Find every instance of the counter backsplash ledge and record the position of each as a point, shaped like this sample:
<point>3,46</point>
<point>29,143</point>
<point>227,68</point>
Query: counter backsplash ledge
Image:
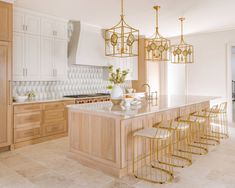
<point>81,80</point>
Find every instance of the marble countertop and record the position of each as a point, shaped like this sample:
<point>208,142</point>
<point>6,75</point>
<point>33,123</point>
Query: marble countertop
<point>163,103</point>
<point>64,99</point>
<point>43,100</point>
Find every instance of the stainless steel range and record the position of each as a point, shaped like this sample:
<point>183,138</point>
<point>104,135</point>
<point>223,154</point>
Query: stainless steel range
<point>90,98</point>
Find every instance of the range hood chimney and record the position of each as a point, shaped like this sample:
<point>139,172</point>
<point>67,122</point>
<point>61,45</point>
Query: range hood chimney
<point>86,45</point>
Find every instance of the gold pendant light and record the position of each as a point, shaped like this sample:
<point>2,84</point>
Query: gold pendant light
<point>157,48</point>
<point>122,39</point>
<point>182,53</point>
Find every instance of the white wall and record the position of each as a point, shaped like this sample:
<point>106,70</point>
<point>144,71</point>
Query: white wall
<point>208,75</point>
<point>153,76</point>
<point>176,79</point>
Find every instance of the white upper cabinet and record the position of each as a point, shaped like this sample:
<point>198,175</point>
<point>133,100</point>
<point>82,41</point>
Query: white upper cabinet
<point>32,24</point>
<point>61,30</point>
<point>60,56</point>
<point>53,56</point>
<point>47,44</point>
<point>32,57</point>
<point>54,28</point>
<point>47,27</point>
<point>39,47</point>
<point>18,18</point>
<point>18,56</point>
<point>54,49</point>
<point>26,57</point>
<point>25,22</point>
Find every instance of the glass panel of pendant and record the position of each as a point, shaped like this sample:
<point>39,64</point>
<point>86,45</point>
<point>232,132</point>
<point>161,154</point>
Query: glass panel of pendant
<point>157,49</point>
<point>121,42</point>
<point>182,53</point>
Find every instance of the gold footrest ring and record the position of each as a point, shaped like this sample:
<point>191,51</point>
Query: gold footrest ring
<point>176,165</point>
<point>170,178</point>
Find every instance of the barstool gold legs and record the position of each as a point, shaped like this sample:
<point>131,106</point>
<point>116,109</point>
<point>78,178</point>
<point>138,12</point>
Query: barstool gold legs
<point>197,147</point>
<point>180,141</point>
<point>219,122</point>
<point>171,144</point>
<point>150,146</point>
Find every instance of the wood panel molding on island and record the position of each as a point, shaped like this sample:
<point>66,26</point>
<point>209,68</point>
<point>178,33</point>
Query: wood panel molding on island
<point>104,142</point>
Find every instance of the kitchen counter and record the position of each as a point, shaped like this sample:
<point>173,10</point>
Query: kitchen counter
<point>43,101</point>
<point>66,99</point>
<point>100,134</point>
<point>163,103</point>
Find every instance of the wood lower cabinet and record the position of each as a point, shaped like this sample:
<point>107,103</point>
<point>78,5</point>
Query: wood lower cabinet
<point>27,133</point>
<point>27,122</point>
<point>54,128</point>
<point>54,121</point>
<point>39,122</point>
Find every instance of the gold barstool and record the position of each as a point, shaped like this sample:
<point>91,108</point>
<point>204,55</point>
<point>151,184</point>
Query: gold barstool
<point>151,147</point>
<point>219,121</point>
<point>197,129</point>
<point>209,136</point>
<point>180,142</point>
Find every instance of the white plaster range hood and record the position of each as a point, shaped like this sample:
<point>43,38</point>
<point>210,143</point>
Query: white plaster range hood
<point>86,45</point>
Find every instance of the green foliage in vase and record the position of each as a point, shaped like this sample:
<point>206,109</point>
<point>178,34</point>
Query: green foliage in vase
<point>117,76</point>
<point>31,94</point>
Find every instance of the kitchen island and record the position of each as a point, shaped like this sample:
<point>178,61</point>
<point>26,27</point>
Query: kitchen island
<point>100,134</point>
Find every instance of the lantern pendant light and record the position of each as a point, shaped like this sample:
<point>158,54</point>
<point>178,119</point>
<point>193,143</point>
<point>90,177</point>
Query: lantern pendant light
<point>121,40</point>
<point>182,53</point>
<point>157,48</point>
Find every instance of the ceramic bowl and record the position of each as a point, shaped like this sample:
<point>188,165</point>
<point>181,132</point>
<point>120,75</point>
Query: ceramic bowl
<point>20,98</point>
<point>128,101</point>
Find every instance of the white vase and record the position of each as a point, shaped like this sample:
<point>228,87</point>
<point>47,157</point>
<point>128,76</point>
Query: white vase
<point>117,92</point>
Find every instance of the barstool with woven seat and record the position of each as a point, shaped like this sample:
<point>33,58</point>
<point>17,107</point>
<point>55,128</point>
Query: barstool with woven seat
<point>180,142</point>
<point>152,150</point>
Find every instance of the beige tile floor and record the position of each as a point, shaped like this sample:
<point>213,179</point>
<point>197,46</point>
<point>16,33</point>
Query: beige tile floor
<point>46,165</point>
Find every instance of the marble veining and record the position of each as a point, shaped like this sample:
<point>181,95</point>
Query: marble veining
<point>164,102</point>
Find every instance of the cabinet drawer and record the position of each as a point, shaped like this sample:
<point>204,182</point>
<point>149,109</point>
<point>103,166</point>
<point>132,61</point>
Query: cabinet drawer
<point>53,106</point>
<point>27,134</point>
<point>27,119</point>
<point>52,116</point>
<point>27,108</point>
<point>54,128</point>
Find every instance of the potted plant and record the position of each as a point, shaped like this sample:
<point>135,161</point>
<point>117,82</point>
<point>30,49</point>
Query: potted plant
<point>116,77</point>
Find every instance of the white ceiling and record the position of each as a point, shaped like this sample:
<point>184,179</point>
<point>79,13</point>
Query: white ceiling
<point>201,15</point>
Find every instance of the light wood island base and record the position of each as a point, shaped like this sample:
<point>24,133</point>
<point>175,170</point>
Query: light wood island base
<point>102,139</point>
